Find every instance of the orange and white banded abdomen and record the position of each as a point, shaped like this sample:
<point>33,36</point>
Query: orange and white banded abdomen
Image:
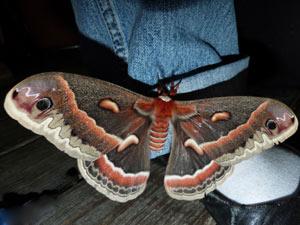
<point>158,133</point>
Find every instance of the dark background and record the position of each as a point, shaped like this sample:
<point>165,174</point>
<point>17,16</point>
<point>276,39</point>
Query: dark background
<point>41,35</point>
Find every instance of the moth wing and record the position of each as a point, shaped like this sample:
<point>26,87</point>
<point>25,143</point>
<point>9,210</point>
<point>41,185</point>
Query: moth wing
<point>221,132</point>
<point>86,117</point>
<point>190,176</point>
<point>113,110</point>
<point>120,175</point>
<point>92,120</point>
<point>122,169</point>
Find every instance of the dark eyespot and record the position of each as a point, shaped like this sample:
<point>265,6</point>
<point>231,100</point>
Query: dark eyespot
<point>293,119</point>
<point>271,125</point>
<point>15,94</point>
<point>84,141</point>
<point>44,104</point>
<point>73,133</point>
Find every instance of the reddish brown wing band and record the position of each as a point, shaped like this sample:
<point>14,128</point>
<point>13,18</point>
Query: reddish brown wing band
<point>224,132</point>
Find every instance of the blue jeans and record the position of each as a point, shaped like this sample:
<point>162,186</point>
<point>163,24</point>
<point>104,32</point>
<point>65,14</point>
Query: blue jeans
<point>159,39</point>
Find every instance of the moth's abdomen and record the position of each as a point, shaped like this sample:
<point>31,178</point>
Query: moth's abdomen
<point>158,133</point>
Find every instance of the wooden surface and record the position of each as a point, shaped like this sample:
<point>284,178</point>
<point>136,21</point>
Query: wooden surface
<point>29,165</point>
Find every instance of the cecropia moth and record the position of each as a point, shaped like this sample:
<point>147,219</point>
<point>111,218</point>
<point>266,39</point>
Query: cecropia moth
<point>111,131</point>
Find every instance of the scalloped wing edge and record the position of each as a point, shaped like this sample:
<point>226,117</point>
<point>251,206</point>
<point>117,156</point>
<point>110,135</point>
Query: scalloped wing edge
<point>109,188</point>
<point>212,175</point>
<point>255,145</point>
<point>52,135</point>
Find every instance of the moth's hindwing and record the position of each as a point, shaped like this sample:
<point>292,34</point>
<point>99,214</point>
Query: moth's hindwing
<point>120,175</point>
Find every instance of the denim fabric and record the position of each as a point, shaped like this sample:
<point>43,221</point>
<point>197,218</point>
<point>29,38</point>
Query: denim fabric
<point>159,39</point>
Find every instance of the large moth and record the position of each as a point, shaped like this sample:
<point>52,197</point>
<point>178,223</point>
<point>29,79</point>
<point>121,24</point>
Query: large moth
<point>111,131</point>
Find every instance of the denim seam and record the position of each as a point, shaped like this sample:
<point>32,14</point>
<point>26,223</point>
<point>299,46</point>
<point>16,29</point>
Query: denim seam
<point>114,28</point>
